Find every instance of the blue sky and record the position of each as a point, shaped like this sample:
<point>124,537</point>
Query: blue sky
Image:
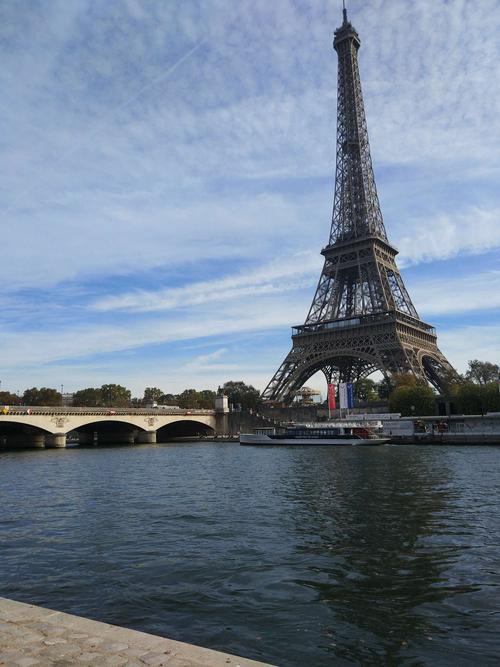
<point>168,180</point>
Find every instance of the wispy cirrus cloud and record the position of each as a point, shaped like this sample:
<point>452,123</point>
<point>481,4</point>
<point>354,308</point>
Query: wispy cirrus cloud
<point>168,169</point>
<point>449,295</point>
<point>474,231</point>
<point>288,274</point>
<point>44,347</point>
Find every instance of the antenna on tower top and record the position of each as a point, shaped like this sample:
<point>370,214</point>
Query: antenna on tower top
<point>344,11</point>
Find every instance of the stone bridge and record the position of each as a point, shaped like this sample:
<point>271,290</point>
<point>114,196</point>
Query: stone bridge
<point>23,426</point>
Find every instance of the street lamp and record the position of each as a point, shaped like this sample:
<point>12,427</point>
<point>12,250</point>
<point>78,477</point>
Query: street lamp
<point>62,390</point>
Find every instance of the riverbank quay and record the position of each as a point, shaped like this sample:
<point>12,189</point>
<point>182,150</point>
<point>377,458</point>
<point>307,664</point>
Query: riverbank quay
<point>446,430</point>
<point>32,635</point>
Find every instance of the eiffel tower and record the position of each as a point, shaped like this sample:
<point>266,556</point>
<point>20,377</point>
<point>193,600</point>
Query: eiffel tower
<point>362,318</point>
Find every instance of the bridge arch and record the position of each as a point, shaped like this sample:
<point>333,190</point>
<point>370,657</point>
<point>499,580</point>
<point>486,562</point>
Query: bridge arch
<point>183,428</point>
<point>111,425</point>
<point>41,424</point>
<point>105,431</point>
<point>18,433</point>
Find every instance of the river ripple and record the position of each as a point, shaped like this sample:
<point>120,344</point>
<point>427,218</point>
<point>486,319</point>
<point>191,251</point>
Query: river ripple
<point>296,556</point>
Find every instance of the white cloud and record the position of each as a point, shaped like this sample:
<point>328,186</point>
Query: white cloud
<point>211,365</point>
<point>458,294</point>
<point>115,165</point>
<point>45,347</point>
<point>475,231</point>
<point>93,182</point>
<point>279,276</point>
<point>135,237</point>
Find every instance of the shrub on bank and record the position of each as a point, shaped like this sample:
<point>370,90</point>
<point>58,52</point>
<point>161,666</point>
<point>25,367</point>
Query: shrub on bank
<point>413,400</point>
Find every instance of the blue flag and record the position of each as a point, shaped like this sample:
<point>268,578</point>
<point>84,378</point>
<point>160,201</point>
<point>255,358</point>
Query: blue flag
<point>350,395</point>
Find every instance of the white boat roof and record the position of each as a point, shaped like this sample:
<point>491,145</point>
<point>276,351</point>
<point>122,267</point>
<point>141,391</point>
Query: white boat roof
<point>335,424</point>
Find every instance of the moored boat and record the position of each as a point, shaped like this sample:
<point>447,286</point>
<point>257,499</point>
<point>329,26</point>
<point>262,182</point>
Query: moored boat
<point>328,433</point>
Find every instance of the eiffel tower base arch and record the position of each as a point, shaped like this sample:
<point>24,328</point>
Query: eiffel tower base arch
<point>350,351</point>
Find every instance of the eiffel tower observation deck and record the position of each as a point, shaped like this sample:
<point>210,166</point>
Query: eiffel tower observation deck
<point>362,318</point>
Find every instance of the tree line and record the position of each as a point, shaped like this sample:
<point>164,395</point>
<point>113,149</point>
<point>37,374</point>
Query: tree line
<point>475,392</point>
<point>117,396</point>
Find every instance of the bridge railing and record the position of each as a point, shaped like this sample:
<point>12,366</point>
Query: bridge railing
<point>53,410</point>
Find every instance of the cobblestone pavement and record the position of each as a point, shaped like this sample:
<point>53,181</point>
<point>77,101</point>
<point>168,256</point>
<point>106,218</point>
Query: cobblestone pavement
<point>32,635</point>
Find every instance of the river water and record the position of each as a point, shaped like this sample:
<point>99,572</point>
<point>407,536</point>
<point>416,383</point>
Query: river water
<point>295,556</point>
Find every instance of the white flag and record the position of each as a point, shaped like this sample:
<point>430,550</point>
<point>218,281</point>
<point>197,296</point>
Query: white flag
<point>343,398</point>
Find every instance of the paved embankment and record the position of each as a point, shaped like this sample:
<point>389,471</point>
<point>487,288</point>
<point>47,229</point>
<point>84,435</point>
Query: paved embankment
<point>31,635</point>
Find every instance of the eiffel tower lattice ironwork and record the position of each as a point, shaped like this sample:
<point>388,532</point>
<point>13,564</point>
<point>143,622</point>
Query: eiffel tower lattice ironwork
<point>362,318</point>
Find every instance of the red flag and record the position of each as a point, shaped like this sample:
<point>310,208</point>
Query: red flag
<point>331,397</point>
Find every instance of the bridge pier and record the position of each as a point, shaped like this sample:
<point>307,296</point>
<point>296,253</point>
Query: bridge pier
<point>222,424</point>
<point>147,437</point>
<point>221,415</point>
<point>56,441</point>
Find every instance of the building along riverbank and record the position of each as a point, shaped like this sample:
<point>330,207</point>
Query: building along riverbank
<point>453,430</point>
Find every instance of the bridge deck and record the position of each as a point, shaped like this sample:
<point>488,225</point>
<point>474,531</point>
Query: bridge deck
<point>50,410</point>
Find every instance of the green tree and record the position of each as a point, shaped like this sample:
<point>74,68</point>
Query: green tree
<point>389,383</point>
<point>116,396</point>
<point>406,380</point>
<point>365,390</point>
<point>491,397</point>
<point>42,396</point>
<point>6,398</point>
<point>240,393</point>
<point>90,397</point>
<point>482,372</point>
<point>413,400</point>
<point>385,387</point>
<point>152,395</point>
<point>169,399</point>
<point>189,399</point>
<point>477,399</point>
<point>206,399</point>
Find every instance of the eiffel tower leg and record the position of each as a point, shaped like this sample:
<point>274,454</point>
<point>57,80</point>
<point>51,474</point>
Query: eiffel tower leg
<point>438,370</point>
<point>429,366</point>
<point>279,388</point>
<point>405,360</point>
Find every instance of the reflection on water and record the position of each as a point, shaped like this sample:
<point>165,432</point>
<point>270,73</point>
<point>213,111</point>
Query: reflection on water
<point>296,556</point>
<point>380,529</point>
